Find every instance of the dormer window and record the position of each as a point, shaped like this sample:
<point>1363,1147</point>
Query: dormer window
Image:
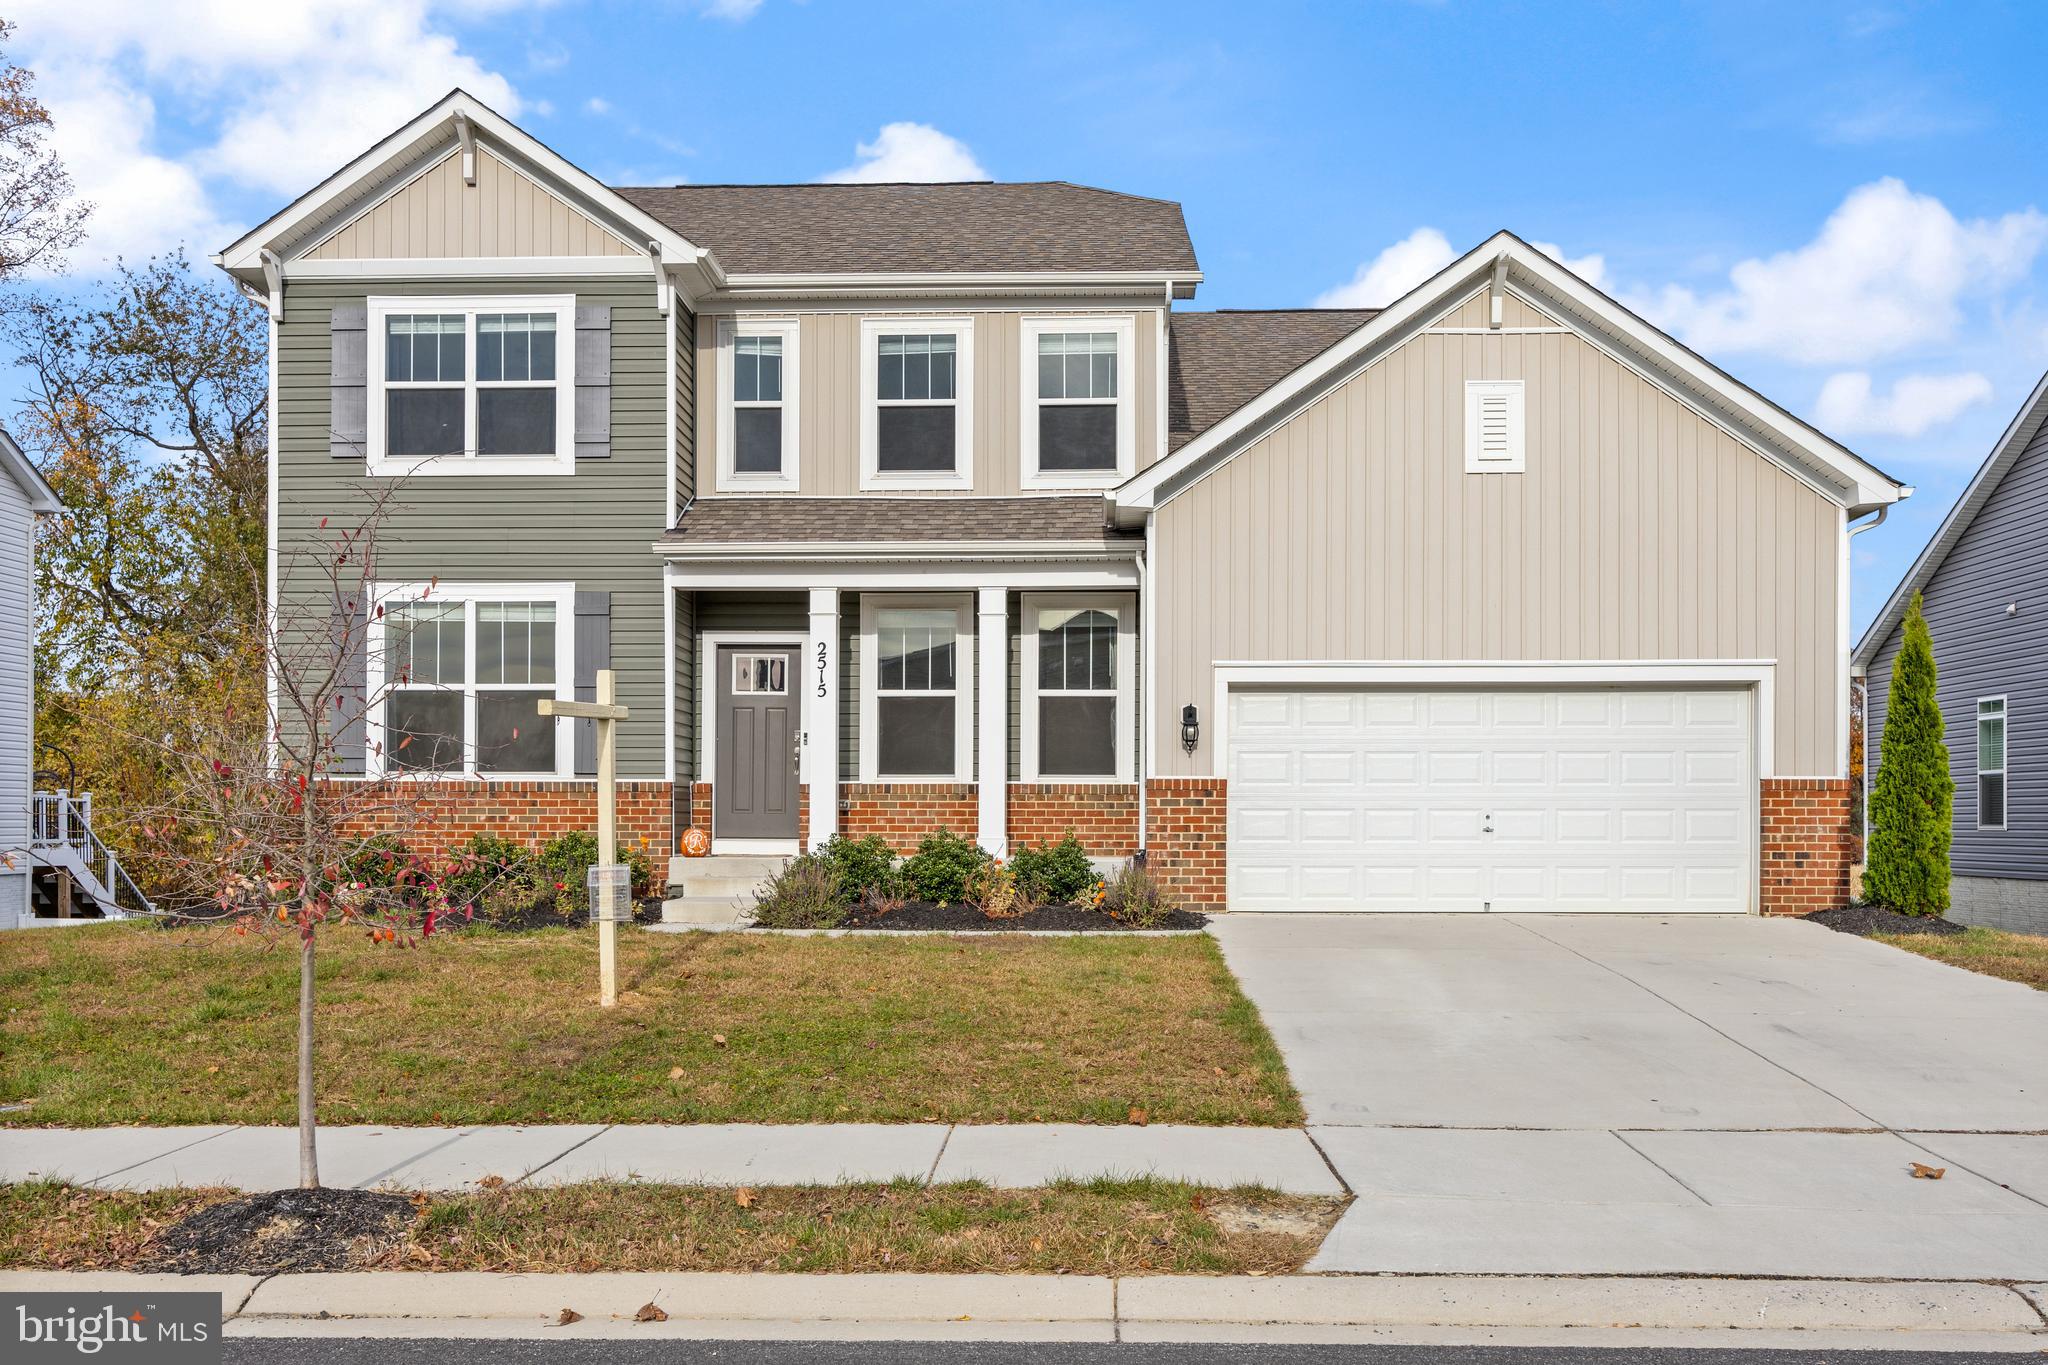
<point>1079,419</point>
<point>757,429</point>
<point>917,420</point>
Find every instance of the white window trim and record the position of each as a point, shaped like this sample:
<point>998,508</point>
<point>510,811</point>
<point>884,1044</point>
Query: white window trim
<point>563,306</point>
<point>730,330</point>
<point>387,595</point>
<point>961,476</point>
<point>1518,426</point>
<point>1124,606</point>
<point>2004,771</point>
<point>962,606</point>
<point>1031,329</point>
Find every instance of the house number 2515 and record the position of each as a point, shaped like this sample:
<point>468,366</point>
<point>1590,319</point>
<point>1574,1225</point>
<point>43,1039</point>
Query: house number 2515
<point>821,669</point>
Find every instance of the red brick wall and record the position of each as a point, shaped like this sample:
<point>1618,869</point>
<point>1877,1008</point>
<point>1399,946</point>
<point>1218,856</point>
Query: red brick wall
<point>697,814</point>
<point>904,812</point>
<point>1103,818</point>
<point>443,815</point>
<point>1185,821</point>
<point>1806,844</point>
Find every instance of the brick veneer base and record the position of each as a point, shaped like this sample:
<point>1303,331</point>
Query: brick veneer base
<point>904,812</point>
<point>1186,820</point>
<point>444,815</point>
<point>1103,817</point>
<point>1805,844</point>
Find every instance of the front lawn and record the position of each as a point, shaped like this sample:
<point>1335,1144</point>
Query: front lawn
<point>126,1024</point>
<point>1994,952</point>
<point>1103,1227</point>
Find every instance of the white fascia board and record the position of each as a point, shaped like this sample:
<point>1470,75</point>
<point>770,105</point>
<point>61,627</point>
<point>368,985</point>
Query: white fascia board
<point>677,252</point>
<point>2018,435</point>
<point>890,552</point>
<point>42,498</point>
<point>469,268</point>
<point>1846,478</point>
<point>902,575</point>
<point>882,284</point>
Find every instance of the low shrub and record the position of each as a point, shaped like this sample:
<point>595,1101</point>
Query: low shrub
<point>805,894</point>
<point>938,871</point>
<point>1133,895</point>
<point>483,865</point>
<point>382,861</point>
<point>866,866</point>
<point>568,858</point>
<point>993,887</point>
<point>1054,874</point>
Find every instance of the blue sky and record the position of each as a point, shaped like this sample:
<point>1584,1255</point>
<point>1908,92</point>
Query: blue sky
<point>1840,203</point>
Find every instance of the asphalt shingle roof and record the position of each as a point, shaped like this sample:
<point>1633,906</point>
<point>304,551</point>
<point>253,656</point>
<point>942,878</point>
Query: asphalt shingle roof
<point>941,228</point>
<point>874,520</point>
<point>1223,360</point>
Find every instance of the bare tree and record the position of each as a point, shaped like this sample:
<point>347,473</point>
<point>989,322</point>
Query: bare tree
<point>39,218</point>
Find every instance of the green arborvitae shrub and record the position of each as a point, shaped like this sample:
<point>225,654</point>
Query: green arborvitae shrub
<point>866,866</point>
<point>939,870</point>
<point>1053,874</point>
<point>1911,800</point>
<point>805,894</point>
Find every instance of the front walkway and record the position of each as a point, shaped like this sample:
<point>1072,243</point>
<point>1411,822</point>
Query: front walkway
<point>1646,1095</point>
<point>1009,1156</point>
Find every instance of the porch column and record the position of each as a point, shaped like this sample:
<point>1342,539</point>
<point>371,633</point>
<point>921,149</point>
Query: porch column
<point>820,680</point>
<point>992,676</point>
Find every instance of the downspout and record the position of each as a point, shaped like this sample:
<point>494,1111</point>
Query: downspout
<point>1145,712</point>
<point>1855,531</point>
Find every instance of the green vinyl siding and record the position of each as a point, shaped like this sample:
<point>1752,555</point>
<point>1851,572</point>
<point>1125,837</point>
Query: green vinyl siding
<point>594,528</point>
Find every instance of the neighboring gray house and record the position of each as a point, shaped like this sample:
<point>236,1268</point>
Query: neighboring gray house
<point>23,497</point>
<point>1984,581</point>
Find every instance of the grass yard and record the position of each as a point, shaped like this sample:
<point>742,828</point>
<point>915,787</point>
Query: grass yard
<point>1094,1228</point>
<point>128,1024</point>
<point>1994,952</point>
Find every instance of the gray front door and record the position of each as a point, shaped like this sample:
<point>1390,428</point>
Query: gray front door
<point>754,789</point>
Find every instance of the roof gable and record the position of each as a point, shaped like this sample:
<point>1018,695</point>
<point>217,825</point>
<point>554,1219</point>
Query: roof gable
<point>1504,264</point>
<point>2020,434</point>
<point>1218,362</point>
<point>34,487</point>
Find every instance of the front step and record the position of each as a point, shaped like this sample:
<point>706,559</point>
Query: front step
<point>706,911</point>
<point>722,876</point>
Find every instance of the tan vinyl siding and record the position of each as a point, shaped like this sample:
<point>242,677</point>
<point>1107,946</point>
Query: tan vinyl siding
<point>1640,531</point>
<point>593,528</point>
<point>829,404</point>
<point>435,216</point>
<point>1515,311</point>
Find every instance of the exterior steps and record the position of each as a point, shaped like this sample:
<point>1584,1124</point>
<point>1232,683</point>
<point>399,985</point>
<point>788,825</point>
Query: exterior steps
<point>721,880</point>
<point>702,910</point>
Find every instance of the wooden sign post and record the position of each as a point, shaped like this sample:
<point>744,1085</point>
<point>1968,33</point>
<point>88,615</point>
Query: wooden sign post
<point>607,713</point>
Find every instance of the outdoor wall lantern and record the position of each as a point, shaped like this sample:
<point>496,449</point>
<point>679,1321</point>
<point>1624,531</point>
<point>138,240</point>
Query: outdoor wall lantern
<point>1190,727</point>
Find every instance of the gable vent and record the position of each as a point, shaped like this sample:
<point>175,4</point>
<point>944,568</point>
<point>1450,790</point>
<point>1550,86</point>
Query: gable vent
<point>1493,426</point>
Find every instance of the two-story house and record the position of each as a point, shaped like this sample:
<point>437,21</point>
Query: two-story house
<point>900,506</point>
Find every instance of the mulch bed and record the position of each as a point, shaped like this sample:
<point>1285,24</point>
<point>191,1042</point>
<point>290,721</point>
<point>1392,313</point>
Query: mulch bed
<point>1865,920</point>
<point>285,1230</point>
<point>542,915</point>
<point>924,915</point>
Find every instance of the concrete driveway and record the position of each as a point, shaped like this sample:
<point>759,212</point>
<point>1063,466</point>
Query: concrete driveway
<point>1643,1094</point>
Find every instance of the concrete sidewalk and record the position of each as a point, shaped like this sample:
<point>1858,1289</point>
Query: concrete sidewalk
<point>1811,1315</point>
<point>1012,1156</point>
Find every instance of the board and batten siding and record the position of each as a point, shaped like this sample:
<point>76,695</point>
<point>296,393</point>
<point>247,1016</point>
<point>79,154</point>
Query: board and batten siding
<point>435,216</point>
<point>17,695</point>
<point>594,528</point>
<point>1982,651</point>
<point>829,404</point>
<point>1639,531</point>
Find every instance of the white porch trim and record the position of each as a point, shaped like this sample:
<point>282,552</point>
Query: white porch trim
<point>819,672</point>
<point>993,698</point>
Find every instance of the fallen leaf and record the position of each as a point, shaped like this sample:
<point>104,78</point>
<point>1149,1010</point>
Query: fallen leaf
<point>212,1070</point>
<point>1139,1116</point>
<point>1038,1244</point>
<point>718,1038</point>
<point>744,1197</point>
<point>568,1316</point>
<point>1199,1203</point>
<point>675,1073</point>
<point>650,1312</point>
<point>1921,1172</point>
<point>491,1182</point>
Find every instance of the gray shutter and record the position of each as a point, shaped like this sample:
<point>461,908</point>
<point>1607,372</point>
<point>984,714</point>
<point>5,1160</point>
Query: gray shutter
<point>593,381</point>
<point>349,637</point>
<point>348,378</point>
<point>593,651</point>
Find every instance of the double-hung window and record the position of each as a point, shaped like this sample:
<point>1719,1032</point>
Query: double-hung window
<point>1079,414</point>
<point>917,718</point>
<point>1991,763</point>
<point>478,385</point>
<point>757,442</point>
<point>1077,709</point>
<point>459,673</point>
<point>917,407</point>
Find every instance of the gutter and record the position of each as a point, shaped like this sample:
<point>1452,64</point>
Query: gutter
<point>892,551</point>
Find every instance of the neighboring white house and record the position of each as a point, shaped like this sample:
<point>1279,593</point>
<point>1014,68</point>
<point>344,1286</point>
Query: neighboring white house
<point>24,495</point>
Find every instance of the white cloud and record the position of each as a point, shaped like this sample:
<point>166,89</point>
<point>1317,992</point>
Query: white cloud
<point>1889,271</point>
<point>270,102</point>
<point>1592,267</point>
<point>1849,406</point>
<point>909,151</point>
<point>736,11</point>
<point>1393,272</point>
<point>597,104</point>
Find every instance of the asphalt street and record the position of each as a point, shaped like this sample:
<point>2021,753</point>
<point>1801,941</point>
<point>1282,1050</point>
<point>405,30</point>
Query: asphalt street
<point>437,1352</point>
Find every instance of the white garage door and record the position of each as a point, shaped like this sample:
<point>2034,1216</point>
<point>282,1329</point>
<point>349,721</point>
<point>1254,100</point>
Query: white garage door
<point>1624,800</point>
